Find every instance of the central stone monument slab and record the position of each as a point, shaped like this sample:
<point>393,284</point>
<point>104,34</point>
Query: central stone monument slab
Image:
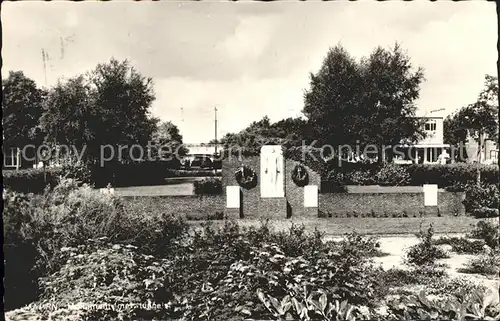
<point>272,182</point>
<point>272,167</point>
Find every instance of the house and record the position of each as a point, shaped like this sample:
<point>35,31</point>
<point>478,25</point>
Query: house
<point>430,149</point>
<point>13,158</point>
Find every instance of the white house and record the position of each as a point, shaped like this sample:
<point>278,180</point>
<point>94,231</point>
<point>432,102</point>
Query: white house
<point>430,149</point>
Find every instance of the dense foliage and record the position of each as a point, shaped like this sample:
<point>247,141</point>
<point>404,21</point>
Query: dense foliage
<point>21,110</point>
<point>91,253</point>
<point>30,180</point>
<point>371,100</point>
<point>455,176</point>
<point>478,120</point>
<point>208,186</point>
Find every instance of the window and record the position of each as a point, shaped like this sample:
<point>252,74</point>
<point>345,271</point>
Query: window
<point>494,154</point>
<point>10,158</point>
<point>430,126</point>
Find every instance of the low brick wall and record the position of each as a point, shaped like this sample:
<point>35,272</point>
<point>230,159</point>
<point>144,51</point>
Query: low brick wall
<point>190,206</point>
<point>334,205</point>
<point>389,204</point>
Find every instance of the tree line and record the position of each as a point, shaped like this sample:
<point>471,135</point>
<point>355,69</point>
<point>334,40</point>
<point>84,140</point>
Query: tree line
<point>370,101</point>
<point>109,105</point>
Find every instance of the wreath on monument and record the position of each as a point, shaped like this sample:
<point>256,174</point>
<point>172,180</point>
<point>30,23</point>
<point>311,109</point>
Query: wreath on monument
<point>246,177</point>
<point>300,176</point>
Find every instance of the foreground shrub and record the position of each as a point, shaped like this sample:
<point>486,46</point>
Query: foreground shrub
<point>228,264</point>
<point>68,216</point>
<point>426,252</point>
<point>462,245</point>
<point>485,264</point>
<point>208,186</point>
<point>30,180</point>
<point>391,174</point>
<point>487,231</point>
<point>479,197</point>
<point>20,252</point>
<point>101,273</point>
<point>311,306</point>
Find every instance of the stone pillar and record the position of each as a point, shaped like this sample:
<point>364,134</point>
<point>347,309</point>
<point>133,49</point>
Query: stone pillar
<point>233,202</point>
<point>431,199</point>
<point>311,202</point>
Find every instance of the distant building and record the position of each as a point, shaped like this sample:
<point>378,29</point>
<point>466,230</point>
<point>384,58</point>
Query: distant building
<point>489,153</point>
<point>429,150</point>
<point>202,156</point>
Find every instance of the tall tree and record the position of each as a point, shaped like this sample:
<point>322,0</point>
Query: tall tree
<point>107,106</point>
<point>332,99</point>
<point>366,102</point>
<point>21,110</point>
<point>478,120</point>
<point>167,139</point>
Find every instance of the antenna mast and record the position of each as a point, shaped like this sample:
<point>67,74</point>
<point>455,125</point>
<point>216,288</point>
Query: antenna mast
<point>215,111</point>
<point>44,56</point>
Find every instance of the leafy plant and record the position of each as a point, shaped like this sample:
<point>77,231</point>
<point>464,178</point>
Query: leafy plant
<point>426,252</point>
<point>305,307</point>
<point>475,306</point>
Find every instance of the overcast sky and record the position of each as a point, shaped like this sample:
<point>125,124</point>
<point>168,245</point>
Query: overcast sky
<point>250,59</point>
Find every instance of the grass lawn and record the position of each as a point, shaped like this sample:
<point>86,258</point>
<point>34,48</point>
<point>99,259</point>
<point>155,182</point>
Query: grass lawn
<point>373,226</point>
<point>172,187</point>
<point>385,189</point>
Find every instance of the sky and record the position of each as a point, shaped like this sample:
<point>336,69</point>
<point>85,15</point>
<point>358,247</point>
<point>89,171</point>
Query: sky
<point>250,59</point>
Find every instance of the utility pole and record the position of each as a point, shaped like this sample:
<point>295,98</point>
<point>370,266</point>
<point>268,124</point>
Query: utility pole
<point>215,111</point>
<point>44,58</point>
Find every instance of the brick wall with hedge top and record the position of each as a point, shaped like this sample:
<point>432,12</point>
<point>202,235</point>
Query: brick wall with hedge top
<point>389,205</point>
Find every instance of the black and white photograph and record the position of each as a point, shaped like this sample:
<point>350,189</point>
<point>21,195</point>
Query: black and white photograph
<point>250,160</point>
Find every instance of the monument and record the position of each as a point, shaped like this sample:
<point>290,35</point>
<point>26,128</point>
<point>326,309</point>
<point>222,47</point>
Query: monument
<point>270,186</point>
<point>272,166</point>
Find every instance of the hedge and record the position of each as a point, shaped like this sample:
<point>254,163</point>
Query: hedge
<point>30,180</point>
<point>451,174</point>
<point>419,174</point>
<point>208,186</point>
